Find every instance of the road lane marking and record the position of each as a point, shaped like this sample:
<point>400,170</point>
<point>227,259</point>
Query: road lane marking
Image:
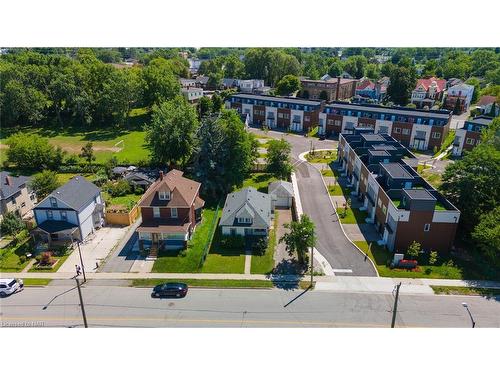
<point>342,270</point>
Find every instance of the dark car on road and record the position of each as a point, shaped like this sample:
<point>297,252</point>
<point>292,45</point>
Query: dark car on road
<point>170,290</point>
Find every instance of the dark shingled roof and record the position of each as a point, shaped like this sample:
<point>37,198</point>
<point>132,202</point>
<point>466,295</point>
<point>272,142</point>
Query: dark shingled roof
<point>8,190</point>
<point>76,193</point>
<point>53,226</point>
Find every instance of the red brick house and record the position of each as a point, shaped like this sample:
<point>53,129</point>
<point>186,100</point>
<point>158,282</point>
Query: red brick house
<point>170,209</point>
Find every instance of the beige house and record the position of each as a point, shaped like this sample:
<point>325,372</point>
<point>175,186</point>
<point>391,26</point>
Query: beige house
<point>15,195</point>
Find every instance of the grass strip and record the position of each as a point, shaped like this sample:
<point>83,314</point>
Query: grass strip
<point>36,282</point>
<point>465,291</point>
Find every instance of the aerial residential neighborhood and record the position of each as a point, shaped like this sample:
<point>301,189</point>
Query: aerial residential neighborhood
<point>196,168</point>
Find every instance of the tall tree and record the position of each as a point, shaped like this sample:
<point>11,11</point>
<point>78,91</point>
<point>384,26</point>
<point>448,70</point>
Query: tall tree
<point>288,85</point>
<point>402,82</point>
<point>171,134</point>
<point>87,153</point>
<point>30,151</point>
<point>44,183</point>
<point>487,235</point>
<point>300,238</point>
<point>278,158</point>
<point>160,83</point>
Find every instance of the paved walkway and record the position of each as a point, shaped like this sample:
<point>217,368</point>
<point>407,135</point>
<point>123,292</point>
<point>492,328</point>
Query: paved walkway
<point>96,250</point>
<point>337,283</point>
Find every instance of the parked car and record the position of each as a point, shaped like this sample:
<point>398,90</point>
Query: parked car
<point>170,290</point>
<point>10,286</point>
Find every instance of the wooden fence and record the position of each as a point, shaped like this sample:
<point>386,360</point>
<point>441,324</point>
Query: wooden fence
<point>122,218</point>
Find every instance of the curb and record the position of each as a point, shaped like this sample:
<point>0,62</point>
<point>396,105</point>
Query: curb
<point>301,156</point>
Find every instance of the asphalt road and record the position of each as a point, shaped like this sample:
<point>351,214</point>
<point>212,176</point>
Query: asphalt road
<point>332,243</point>
<point>112,306</point>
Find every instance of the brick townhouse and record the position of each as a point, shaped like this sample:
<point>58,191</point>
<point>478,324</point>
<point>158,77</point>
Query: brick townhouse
<point>469,136</point>
<point>293,114</point>
<point>420,129</point>
<point>415,128</point>
<point>399,202</point>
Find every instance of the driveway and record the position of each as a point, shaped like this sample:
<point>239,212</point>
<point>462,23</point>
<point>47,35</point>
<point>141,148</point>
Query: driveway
<point>332,243</point>
<point>95,250</point>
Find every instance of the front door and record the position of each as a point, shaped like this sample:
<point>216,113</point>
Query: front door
<point>155,238</point>
<point>419,144</point>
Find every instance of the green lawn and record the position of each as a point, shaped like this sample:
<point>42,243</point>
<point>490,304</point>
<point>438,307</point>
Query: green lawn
<point>382,257</point>
<point>260,181</point>
<point>466,291</point>
<point>353,216</point>
<point>223,260</point>
<point>128,200</point>
<point>105,139</point>
<point>172,261</point>
<point>36,282</point>
<point>447,142</point>
<point>227,283</point>
<point>337,190</point>
<point>322,156</point>
<point>434,179</point>
<point>327,172</point>
<point>10,260</point>
<point>61,260</point>
<point>264,264</point>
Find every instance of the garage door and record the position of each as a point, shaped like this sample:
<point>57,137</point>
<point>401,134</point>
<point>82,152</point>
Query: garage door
<point>282,202</point>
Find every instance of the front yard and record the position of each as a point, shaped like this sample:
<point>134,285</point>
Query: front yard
<point>13,257</point>
<point>264,263</point>
<point>226,255</point>
<point>59,256</point>
<point>351,215</point>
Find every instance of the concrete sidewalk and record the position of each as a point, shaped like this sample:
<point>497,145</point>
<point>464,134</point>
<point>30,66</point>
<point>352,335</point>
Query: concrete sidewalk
<point>362,284</point>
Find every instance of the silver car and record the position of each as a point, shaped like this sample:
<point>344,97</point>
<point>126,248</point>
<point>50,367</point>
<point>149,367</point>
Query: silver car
<point>10,286</point>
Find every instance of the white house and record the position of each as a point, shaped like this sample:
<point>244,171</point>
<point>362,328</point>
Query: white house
<point>192,94</point>
<point>462,91</point>
<point>250,85</point>
<point>281,193</point>
<point>247,212</point>
<point>72,211</point>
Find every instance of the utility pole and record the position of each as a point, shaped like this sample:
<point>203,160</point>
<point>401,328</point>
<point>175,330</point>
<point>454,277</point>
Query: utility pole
<point>81,261</point>
<point>395,309</point>
<point>81,303</point>
<point>312,265</point>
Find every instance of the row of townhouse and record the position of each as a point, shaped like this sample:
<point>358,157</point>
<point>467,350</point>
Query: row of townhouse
<point>469,136</point>
<point>420,129</point>
<point>399,202</point>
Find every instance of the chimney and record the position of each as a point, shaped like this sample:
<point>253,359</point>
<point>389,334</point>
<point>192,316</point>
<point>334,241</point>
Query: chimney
<point>338,89</point>
<point>161,175</point>
<point>8,180</point>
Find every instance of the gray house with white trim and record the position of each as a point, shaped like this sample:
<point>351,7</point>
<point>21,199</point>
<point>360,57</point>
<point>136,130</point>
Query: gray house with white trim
<point>72,211</point>
<point>247,212</point>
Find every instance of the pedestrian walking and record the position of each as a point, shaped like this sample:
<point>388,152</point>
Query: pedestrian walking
<point>78,270</point>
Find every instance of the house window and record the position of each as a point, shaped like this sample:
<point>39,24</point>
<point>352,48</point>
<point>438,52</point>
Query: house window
<point>469,141</point>
<point>406,131</point>
<point>436,135</point>
<point>248,220</point>
<point>164,195</point>
<point>173,212</point>
<point>32,197</point>
<point>287,116</point>
<point>156,212</point>
<point>330,122</point>
<point>397,130</point>
<point>53,202</point>
<point>337,122</point>
<point>427,227</point>
<point>64,216</point>
<point>50,215</point>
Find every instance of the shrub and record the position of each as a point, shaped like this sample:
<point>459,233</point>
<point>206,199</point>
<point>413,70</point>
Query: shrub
<point>46,259</point>
<point>433,257</point>
<point>11,224</point>
<point>232,242</point>
<point>259,246</point>
<point>118,188</point>
<point>22,259</point>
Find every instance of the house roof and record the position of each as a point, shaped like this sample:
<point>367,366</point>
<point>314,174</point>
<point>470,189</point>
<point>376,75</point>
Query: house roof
<point>487,100</point>
<point>461,86</point>
<point>419,194</point>
<point>140,175</point>
<point>202,79</point>
<point>366,85</point>
<point>77,193</point>
<point>281,188</point>
<point>259,204</point>
<point>481,120</point>
<point>10,185</point>
<point>427,82</point>
<point>54,226</point>
<point>163,227</point>
<point>183,191</point>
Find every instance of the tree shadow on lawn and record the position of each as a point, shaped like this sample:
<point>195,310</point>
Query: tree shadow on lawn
<point>232,248</point>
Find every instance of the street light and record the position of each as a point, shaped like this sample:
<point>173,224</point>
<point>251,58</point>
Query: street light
<point>471,318</point>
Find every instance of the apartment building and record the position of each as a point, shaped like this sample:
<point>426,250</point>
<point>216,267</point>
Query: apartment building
<point>415,128</point>
<point>285,113</point>
<point>401,205</point>
<point>469,136</point>
<point>328,88</point>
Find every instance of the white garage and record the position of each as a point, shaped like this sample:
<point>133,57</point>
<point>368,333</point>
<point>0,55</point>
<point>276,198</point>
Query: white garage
<point>281,194</point>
